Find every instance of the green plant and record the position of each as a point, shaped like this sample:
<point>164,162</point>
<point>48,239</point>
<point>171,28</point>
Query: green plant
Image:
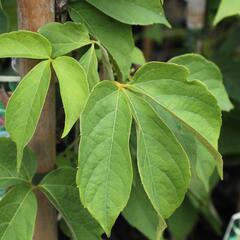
<point>227,10</point>
<point>173,108</point>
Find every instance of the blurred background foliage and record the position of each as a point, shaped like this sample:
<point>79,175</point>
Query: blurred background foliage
<point>207,216</point>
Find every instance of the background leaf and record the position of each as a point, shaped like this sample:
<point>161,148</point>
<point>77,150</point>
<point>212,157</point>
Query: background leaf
<point>10,9</point>
<point>25,106</point>
<point>60,187</point>
<point>117,39</point>
<point>89,62</point>
<point>65,37</point>
<point>4,22</point>
<point>183,220</point>
<point>73,88</point>
<point>24,44</point>
<point>105,170</point>
<point>134,12</point>
<point>229,140</point>
<point>18,209</point>
<point>140,213</point>
<point>9,175</point>
<point>137,56</point>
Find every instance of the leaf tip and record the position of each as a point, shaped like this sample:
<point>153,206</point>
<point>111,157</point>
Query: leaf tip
<point>64,134</point>
<point>67,129</point>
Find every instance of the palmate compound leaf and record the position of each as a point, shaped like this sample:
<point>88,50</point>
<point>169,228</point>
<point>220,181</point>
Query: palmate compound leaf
<point>133,12</point>
<point>18,209</point>
<point>117,39</point>
<point>60,187</point>
<point>25,106</point>
<point>189,102</point>
<point>227,9</point>
<point>65,37</point>
<point>105,170</point>
<point>162,163</point>
<point>24,44</point>
<point>9,175</point>
<point>208,73</point>
<point>89,62</point>
<point>74,88</point>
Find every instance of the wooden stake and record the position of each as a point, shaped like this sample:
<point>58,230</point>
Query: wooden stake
<point>147,46</point>
<point>196,14</point>
<point>32,14</point>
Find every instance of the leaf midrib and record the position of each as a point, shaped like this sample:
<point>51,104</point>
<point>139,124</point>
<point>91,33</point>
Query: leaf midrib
<point>110,154</point>
<point>151,175</point>
<point>34,99</point>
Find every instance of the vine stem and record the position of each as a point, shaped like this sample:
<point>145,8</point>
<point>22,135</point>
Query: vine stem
<point>32,15</point>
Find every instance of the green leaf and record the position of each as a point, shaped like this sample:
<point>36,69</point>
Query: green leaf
<point>202,162</point>
<point>117,39</point>
<point>89,62</point>
<point>229,143</point>
<point>65,37</point>
<point>4,22</point>
<point>227,9</point>
<point>231,75</point>
<point>9,175</point>
<point>205,164</point>
<point>163,164</point>
<point>140,213</point>
<point>106,66</point>
<point>188,102</point>
<point>68,157</point>
<point>24,44</point>
<point>207,72</point>
<point>105,170</point>
<point>10,8</point>
<point>133,12</point>
<point>18,209</point>
<point>25,106</point>
<point>60,187</point>
<point>73,87</point>
<point>137,56</point>
<point>186,213</point>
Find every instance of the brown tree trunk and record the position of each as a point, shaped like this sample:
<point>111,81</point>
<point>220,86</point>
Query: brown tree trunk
<point>32,14</point>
